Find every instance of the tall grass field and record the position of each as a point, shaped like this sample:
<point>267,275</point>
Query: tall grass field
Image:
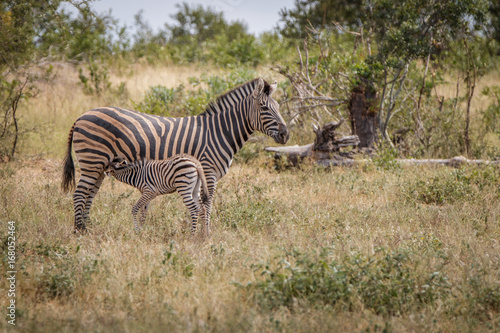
<point>374,248</point>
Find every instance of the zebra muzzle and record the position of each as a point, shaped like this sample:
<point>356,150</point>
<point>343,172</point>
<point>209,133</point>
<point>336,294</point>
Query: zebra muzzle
<point>283,134</point>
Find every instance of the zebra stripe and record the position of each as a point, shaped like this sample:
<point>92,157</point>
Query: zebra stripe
<point>102,135</point>
<point>181,173</point>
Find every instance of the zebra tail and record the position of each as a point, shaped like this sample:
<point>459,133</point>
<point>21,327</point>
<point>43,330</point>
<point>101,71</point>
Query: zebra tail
<point>68,179</point>
<point>204,187</point>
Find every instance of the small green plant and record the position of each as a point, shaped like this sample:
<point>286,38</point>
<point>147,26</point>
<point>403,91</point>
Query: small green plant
<point>491,115</point>
<point>62,272</point>
<point>159,100</point>
<point>176,261</point>
<point>386,159</point>
<point>96,82</point>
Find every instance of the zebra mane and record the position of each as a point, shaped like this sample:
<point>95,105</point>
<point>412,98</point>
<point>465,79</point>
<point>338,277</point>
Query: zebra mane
<point>229,97</point>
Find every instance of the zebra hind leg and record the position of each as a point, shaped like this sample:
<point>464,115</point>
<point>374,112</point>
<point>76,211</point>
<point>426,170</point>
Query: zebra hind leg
<point>79,200</point>
<point>193,206</point>
<point>144,212</point>
<point>90,198</point>
<point>141,206</point>
<point>201,209</point>
<point>207,206</point>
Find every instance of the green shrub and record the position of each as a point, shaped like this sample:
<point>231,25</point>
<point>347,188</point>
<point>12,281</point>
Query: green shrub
<point>386,159</point>
<point>181,102</point>
<point>387,282</point>
<point>454,185</point>
<point>97,80</point>
<point>158,100</point>
<point>62,272</point>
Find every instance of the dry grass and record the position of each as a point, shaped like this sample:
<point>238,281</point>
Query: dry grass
<point>162,279</point>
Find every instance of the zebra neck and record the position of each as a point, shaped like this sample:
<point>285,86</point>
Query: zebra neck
<point>129,175</point>
<point>228,131</point>
<point>232,128</point>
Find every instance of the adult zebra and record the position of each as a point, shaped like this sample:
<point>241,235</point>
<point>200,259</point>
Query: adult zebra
<point>101,135</point>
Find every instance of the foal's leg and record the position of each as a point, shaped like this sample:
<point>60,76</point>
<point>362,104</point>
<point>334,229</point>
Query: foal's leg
<point>212,185</point>
<point>141,204</point>
<point>191,204</point>
<point>144,212</point>
<point>202,211</point>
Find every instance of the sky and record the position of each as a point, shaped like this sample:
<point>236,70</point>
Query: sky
<point>259,15</point>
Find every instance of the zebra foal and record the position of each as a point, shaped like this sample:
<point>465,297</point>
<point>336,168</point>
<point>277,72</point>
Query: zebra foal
<point>181,173</point>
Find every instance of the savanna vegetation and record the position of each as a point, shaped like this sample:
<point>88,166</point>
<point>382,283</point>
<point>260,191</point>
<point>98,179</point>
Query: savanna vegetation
<point>379,247</point>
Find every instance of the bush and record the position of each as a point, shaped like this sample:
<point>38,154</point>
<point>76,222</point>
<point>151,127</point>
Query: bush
<point>181,102</point>
<point>159,99</point>
<point>455,185</point>
<point>387,282</point>
<point>62,272</point>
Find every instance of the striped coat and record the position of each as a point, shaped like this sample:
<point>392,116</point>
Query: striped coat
<point>181,173</point>
<point>101,135</point>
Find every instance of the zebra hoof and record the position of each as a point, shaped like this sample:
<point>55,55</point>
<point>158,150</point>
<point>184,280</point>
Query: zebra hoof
<point>80,229</point>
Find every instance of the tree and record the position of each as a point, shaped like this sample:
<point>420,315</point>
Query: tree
<point>202,24</point>
<point>320,14</point>
<point>33,36</point>
<point>494,23</point>
<point>392,35</point>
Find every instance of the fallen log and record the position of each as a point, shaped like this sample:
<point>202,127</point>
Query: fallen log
<point>327,151</point>
<point>295,154</point>
<point>454,162</point>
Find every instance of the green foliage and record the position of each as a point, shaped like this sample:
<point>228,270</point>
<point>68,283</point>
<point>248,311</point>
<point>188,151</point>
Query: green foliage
<point>409,30</point>
<point>243,50</point>
<point>482,296</point>
<point>203,24</point>
<point>88,36</point>
<point>386,159</point>
<point>491,115</point>
<point>160,100</point>
<point>455,186</point>
<point>203,35</point>
<point>176,261</point>
<point>97,81</point>
<point>317,14</point>
<point>181,102</point>
<point>386,282</point>
<point>32,35</point>
<point>389,59</point>
<point>12,92</point>
<point>61,272</point>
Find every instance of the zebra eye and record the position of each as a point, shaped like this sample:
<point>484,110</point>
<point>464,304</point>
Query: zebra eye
<point>264,108</point>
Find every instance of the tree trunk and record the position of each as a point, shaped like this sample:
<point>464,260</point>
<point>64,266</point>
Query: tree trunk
<point>364,115</point>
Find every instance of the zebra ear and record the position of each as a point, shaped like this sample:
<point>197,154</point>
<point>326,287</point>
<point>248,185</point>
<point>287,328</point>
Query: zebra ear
<point>259,88</point>
<point>117,164</point>
<point>273,87</point>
